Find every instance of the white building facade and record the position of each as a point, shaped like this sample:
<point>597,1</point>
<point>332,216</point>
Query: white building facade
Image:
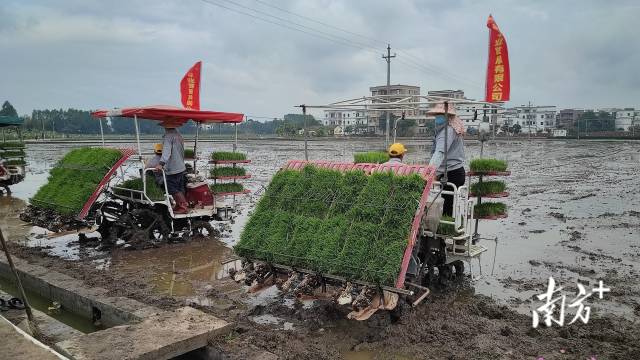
<point>345,122</point>
<point>626,118</point>
<point>532,119</point>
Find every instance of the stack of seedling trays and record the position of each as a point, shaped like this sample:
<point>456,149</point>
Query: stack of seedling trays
<point>371,157</point>
<point>12,153</point>
<point>482,168</point>
<point>226,172</point>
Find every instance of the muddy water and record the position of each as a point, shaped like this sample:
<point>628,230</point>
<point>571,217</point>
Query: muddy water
<point>572,215</point>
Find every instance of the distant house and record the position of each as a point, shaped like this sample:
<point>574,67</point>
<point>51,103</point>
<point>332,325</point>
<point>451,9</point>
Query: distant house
<point>559,133</point>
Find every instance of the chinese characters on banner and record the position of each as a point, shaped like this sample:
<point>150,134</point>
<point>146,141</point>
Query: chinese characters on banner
<point>497,84</point>
<point>190,88</point>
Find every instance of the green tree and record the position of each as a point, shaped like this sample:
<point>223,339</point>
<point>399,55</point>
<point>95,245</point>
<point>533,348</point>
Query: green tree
<point>8,109</point>
<point>516,129</point>
<point>592,121</point>
<point>406,127</point>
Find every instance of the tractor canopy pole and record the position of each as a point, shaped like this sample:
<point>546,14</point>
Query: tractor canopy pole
<point>101,132</point>
<point>446,142</point>
<point>304,130</point>
<point>135,122</point>
<point>195,148</point>
<point>235,138</point>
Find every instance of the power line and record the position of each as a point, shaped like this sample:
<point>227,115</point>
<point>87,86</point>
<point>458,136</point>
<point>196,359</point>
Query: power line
<point>282,22</point>
<point>277,23</point>
<point>416,61</point>
<point>321,23</point>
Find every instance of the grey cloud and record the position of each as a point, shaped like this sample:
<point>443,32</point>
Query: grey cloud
<point>89,54</point>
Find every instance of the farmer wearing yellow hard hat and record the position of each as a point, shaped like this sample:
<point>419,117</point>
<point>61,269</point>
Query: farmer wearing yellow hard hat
<point>396,153</point>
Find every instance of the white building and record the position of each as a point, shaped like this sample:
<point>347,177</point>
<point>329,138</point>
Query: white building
<point>626,118</point>
<point>344,118</point>
<point>470,114</point>
<point>341,120</point>
<point>532,118</point>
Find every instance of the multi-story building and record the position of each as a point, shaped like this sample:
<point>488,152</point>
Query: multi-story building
<point>345,122</point>
<point>568,118</point>
<point>471,114</point>
<point>533,119</point>
<point>393,93</point>
<point>626,118</point>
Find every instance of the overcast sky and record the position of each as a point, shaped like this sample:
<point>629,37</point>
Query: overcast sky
<point>92,54</point>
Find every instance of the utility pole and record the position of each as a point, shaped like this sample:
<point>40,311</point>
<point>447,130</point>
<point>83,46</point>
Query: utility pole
<point>388,57</point>
<point>529,118</point>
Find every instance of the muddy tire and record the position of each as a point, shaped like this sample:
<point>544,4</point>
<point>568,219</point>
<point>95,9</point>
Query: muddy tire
<point>458,267</point>
<point>445,274</point>
<point>401,311</point>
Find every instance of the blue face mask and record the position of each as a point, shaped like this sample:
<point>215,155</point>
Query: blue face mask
<point>440,120</point>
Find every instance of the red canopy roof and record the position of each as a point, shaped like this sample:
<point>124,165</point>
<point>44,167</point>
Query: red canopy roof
<point>172,113</point>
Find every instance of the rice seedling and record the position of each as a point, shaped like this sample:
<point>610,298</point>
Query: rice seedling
<point>487,165</point>
<point>226,188</point>
<point>490,209</point>
<point>154,191</point>
<point>15,162</point>
<point>11,154</point>
<point>11,145</point>
<point>224,155</point>
<point>74,178</point>
<point>374,157</point>
<point>488,187</point>
<point>446,229</point>
<point>347,224</point>
<point>227,171</point>
<point>189,154</point>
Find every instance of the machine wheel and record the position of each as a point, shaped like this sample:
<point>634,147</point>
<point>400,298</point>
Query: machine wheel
<point>202,229</point>
<point>445,274</point>
<point>458,266</point>
<point>143,228</point>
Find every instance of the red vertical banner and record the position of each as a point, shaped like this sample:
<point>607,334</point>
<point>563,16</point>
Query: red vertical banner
<point>190,88</point>
<point>498,83</point>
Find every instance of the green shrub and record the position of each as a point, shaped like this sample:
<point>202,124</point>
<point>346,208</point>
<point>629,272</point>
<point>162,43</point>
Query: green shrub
<point>223,155</point>
<point>74,179</point>
<point>374,157</point>
<point>11,154</point>
<point>225,171</point>
<point>488,187</point>
<point>346,224</point>
<point>226,188</point>
<point>154,191</point>
<point>12,145</point>
<point>15,162</point>
<point>490,209</point>
<point>189,154</point>
<point>487,165</point>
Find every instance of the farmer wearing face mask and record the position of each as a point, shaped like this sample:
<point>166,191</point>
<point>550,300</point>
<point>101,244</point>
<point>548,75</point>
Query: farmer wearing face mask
<point>455,150</point>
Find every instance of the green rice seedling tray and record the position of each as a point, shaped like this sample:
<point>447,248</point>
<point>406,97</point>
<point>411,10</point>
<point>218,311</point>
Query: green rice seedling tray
<point>154,191</point>
<point>489,167</point>
<point>189,154</point>
<point>347,223</point>
<point>490,211</point>
<point>489,189</point>
<point>228,156</point>
<point>75,179</point>
<point>371,157</point>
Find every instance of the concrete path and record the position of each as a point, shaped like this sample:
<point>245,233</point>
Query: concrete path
<point>161,336</point>
<point>17,345</point>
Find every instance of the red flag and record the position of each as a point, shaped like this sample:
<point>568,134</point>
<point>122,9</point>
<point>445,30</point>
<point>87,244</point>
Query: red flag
<point>190,88</point>
<point>497,84</point>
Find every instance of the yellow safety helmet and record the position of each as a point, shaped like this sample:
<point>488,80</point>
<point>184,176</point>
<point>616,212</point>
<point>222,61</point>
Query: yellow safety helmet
<point>157,148</point>
<point>397,149</point>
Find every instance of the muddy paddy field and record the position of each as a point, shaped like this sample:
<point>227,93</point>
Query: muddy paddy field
<point>574,215</point>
